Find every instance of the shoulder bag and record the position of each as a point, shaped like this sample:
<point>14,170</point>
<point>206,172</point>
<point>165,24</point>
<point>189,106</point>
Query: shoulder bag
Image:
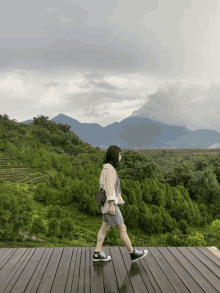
<point>100,197</point>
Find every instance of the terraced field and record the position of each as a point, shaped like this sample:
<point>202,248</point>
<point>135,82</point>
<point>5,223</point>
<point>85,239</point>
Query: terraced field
<point>14,172</point>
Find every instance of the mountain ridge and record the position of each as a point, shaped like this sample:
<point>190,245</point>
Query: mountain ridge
<point>139,132</point>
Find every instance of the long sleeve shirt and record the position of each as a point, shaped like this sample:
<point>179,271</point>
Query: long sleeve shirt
<point>109,181</point>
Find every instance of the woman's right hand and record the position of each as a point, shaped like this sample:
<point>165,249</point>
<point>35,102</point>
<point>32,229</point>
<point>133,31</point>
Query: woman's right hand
<point>112,210</point>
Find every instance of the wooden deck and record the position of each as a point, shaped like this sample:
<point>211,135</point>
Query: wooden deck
<point>71,269</point>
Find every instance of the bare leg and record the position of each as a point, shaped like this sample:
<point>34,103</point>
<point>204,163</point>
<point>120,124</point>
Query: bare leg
<point>125,239</point>
<point>100,239</point>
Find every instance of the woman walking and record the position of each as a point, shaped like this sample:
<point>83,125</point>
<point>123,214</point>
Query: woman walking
<point>112,216</point>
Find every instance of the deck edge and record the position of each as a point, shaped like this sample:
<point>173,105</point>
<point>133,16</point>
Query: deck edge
<point>214,250</point>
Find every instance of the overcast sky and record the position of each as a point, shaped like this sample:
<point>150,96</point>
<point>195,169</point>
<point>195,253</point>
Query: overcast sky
<point>101,61</point>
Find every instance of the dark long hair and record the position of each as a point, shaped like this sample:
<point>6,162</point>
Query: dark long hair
<point>112,156</point>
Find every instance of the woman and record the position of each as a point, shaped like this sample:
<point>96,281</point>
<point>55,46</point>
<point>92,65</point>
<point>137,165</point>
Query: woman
<point>112,216</point>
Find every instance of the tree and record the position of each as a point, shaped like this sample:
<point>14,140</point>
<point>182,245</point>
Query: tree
<point>38,226</point>
<point>42,134</point>
<point>42,120</point>
<point>159,198</point>
<point>168,222</point>
<point>5,117</point>
<point>132,216</point>
<point>16,208</point>
<point>183,226</point>
<point>158,223</point>
<point>202,185</point>
<point>215,229</point>
<point>66,196</point>
<point>56,182</point>
<point>196,241</point>
<point>147,196</point>
<point>66,227</point>
<point>53,227</point>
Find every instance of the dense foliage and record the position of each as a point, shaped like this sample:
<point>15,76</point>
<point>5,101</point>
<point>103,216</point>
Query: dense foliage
<point>156,201</point>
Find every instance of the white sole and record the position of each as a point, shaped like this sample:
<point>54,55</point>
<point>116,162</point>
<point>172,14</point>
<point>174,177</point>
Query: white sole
<point>107,259</point>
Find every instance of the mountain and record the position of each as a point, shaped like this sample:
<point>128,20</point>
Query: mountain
<point>139,132</point>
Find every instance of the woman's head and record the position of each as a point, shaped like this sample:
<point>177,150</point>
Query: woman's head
<point>113,156</point>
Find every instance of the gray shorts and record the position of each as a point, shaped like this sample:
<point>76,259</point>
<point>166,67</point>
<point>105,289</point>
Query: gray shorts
<point>113,220</point>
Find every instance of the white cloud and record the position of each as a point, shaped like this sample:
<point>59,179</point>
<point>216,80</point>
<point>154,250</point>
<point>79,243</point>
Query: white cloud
<point>102,65</point>
<point>184,106</point>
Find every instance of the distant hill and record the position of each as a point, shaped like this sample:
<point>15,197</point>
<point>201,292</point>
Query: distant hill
<point>139,132</point>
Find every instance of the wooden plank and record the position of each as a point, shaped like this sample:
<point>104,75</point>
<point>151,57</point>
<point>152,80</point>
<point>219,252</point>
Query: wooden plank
<point>133,272</point>
<point>210,255</point>
<point>168,271</point>
<point>7,255</point>
<point>191,268</point>
<point>87,269</point>
<point>164,269</point>
<point>17,270</point>
<point>38,273</point>
<point>9,264</point>
<point>25,276</point>
<point>76,274</point>
<point>2,252</point>
<point>183,274</point>
<point>71,271</point>
<point>110,280</point>
<point>147,276</point>
<point>161,279</point>
<point>96,275</point>
<point>7,260</point>
<point>60,280</point>
<point>81,278</point>
<point>123,280</point>
<point>206,261</point>
<point>203,268</point>
<point>49,274</point>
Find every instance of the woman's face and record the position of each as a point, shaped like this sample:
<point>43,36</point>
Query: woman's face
<point>119,158</point>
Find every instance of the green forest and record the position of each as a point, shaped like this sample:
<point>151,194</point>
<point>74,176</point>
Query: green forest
<point>49,179</point>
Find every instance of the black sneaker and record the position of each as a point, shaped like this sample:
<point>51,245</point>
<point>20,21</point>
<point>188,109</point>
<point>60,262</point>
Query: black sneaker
<point>137,254</point>
<point>100,256</point>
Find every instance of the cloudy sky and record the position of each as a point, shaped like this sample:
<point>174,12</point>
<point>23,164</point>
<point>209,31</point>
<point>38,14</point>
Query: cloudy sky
<point>101,61</point>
